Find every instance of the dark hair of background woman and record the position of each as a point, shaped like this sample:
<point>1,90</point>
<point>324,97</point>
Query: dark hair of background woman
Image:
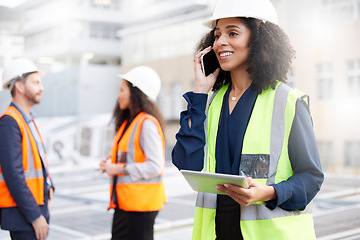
<point>139,103</point>
<point>269,58</point>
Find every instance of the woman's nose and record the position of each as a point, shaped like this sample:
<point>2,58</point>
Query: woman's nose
<point>221,41</point>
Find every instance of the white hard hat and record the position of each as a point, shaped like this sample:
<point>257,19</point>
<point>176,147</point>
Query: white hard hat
<point>144,78</point>
<point>15,69</point>
<point>259,9</point>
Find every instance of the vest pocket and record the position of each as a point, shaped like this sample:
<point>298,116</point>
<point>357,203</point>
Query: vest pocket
<point>255,165</point>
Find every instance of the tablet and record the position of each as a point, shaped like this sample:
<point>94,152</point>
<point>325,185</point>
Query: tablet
<point>206,182</point>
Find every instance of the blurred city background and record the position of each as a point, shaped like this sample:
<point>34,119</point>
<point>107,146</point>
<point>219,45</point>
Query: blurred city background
<point>81,46</point>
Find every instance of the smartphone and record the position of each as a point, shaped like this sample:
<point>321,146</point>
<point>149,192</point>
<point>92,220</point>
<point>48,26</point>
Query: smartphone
<point>209,63</point>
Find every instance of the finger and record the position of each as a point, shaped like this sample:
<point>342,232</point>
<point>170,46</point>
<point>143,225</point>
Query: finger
<point>44,233</point>
<point>225,190</point>
<point>99,170</point>
<point>249,179</point>
<point>216,72</point>
<point>204,51</point>
<point>237,197</point>
<point>242,202</point>
<point>201,53</point>
<point>235,188</point>
<point>37,233</point>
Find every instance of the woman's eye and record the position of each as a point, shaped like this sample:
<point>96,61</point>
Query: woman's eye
<point>216,36</point>
<point>233,34</point>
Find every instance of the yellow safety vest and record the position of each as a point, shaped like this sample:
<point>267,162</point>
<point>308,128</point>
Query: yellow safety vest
<point>266,139</point>
<point>31,164</point>
<point>142,195</point>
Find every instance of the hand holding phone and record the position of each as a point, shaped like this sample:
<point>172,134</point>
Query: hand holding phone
<point>206,72</point>
<point>209,63</point>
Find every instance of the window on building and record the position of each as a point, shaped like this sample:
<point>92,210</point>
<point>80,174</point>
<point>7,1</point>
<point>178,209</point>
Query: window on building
<point>163,102</point>
<point>352,154</point>
<point>17,42</point>
<point>105,4</point>
<point>326,153</point>
<point>345,10</point>
<point>177,103</point>
<point>324,80</point>
<point>353,78</point>
<point>103,31</point>
<point>43,38</point>
<point>1,61</point>
<point>163,42</point>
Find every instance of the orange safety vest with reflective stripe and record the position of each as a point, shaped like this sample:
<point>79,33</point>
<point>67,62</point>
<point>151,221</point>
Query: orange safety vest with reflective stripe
<point>142,195</point>
<point>31,163</point>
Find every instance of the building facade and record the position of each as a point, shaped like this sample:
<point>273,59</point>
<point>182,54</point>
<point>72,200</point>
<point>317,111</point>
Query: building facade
<point>325,35</point>
<point>74,43</point>
<point>11,46</point>
<point>83,44</point>
<point>327,67</point>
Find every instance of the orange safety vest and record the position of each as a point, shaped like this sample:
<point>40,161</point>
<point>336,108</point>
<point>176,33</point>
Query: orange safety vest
<point>31,163</point>
<point>142,195</point>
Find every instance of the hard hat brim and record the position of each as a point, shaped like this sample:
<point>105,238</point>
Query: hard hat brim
<point>258,9</point>
<point>211,23</point>
<point>123,76</point>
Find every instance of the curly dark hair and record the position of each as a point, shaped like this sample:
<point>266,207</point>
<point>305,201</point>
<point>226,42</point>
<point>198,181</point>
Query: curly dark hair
<point>269,58</point>
<point>139,103</point>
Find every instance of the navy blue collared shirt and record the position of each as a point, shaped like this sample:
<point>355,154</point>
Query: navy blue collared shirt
<point>228,153</point>
<point>188,152</point>
<point>40,146</point>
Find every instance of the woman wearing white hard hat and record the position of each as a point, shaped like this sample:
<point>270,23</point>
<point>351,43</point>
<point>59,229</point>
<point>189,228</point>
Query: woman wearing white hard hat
<point>250,124</point>
<point>137,157</point>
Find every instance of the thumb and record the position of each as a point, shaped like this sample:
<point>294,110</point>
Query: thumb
<point>249,179</point>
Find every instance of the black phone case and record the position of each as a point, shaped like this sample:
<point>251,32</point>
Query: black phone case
<point>210,63</point>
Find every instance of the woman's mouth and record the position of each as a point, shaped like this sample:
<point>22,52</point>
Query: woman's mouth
<point>224,55</point>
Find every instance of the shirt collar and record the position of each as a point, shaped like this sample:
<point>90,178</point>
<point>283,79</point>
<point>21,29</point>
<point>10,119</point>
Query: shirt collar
<point>27,118</point>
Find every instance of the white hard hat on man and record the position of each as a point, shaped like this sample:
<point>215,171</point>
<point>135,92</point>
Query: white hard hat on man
<point>15,70</point>
<point>145,79</point>
<point>259,9</point>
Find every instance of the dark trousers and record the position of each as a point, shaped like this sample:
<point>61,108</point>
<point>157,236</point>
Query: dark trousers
<point>227,219</point>
<point>27,235</point>
<point>133,225</point>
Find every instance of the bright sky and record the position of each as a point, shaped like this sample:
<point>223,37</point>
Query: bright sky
<point>11,3</point>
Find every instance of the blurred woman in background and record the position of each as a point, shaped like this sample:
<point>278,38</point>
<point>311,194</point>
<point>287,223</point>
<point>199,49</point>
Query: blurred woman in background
<point>137,157</point>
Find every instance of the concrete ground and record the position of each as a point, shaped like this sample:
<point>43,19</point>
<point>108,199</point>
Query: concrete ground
<point>79,208</point>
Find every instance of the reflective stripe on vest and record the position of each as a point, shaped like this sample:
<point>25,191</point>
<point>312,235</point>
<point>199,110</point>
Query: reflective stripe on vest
<point>270,122</point>
<point>32,166</point>
<point>144,194</point>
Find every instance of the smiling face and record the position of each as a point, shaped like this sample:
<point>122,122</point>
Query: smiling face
<point>124,95</point>
<point>231,44</point>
